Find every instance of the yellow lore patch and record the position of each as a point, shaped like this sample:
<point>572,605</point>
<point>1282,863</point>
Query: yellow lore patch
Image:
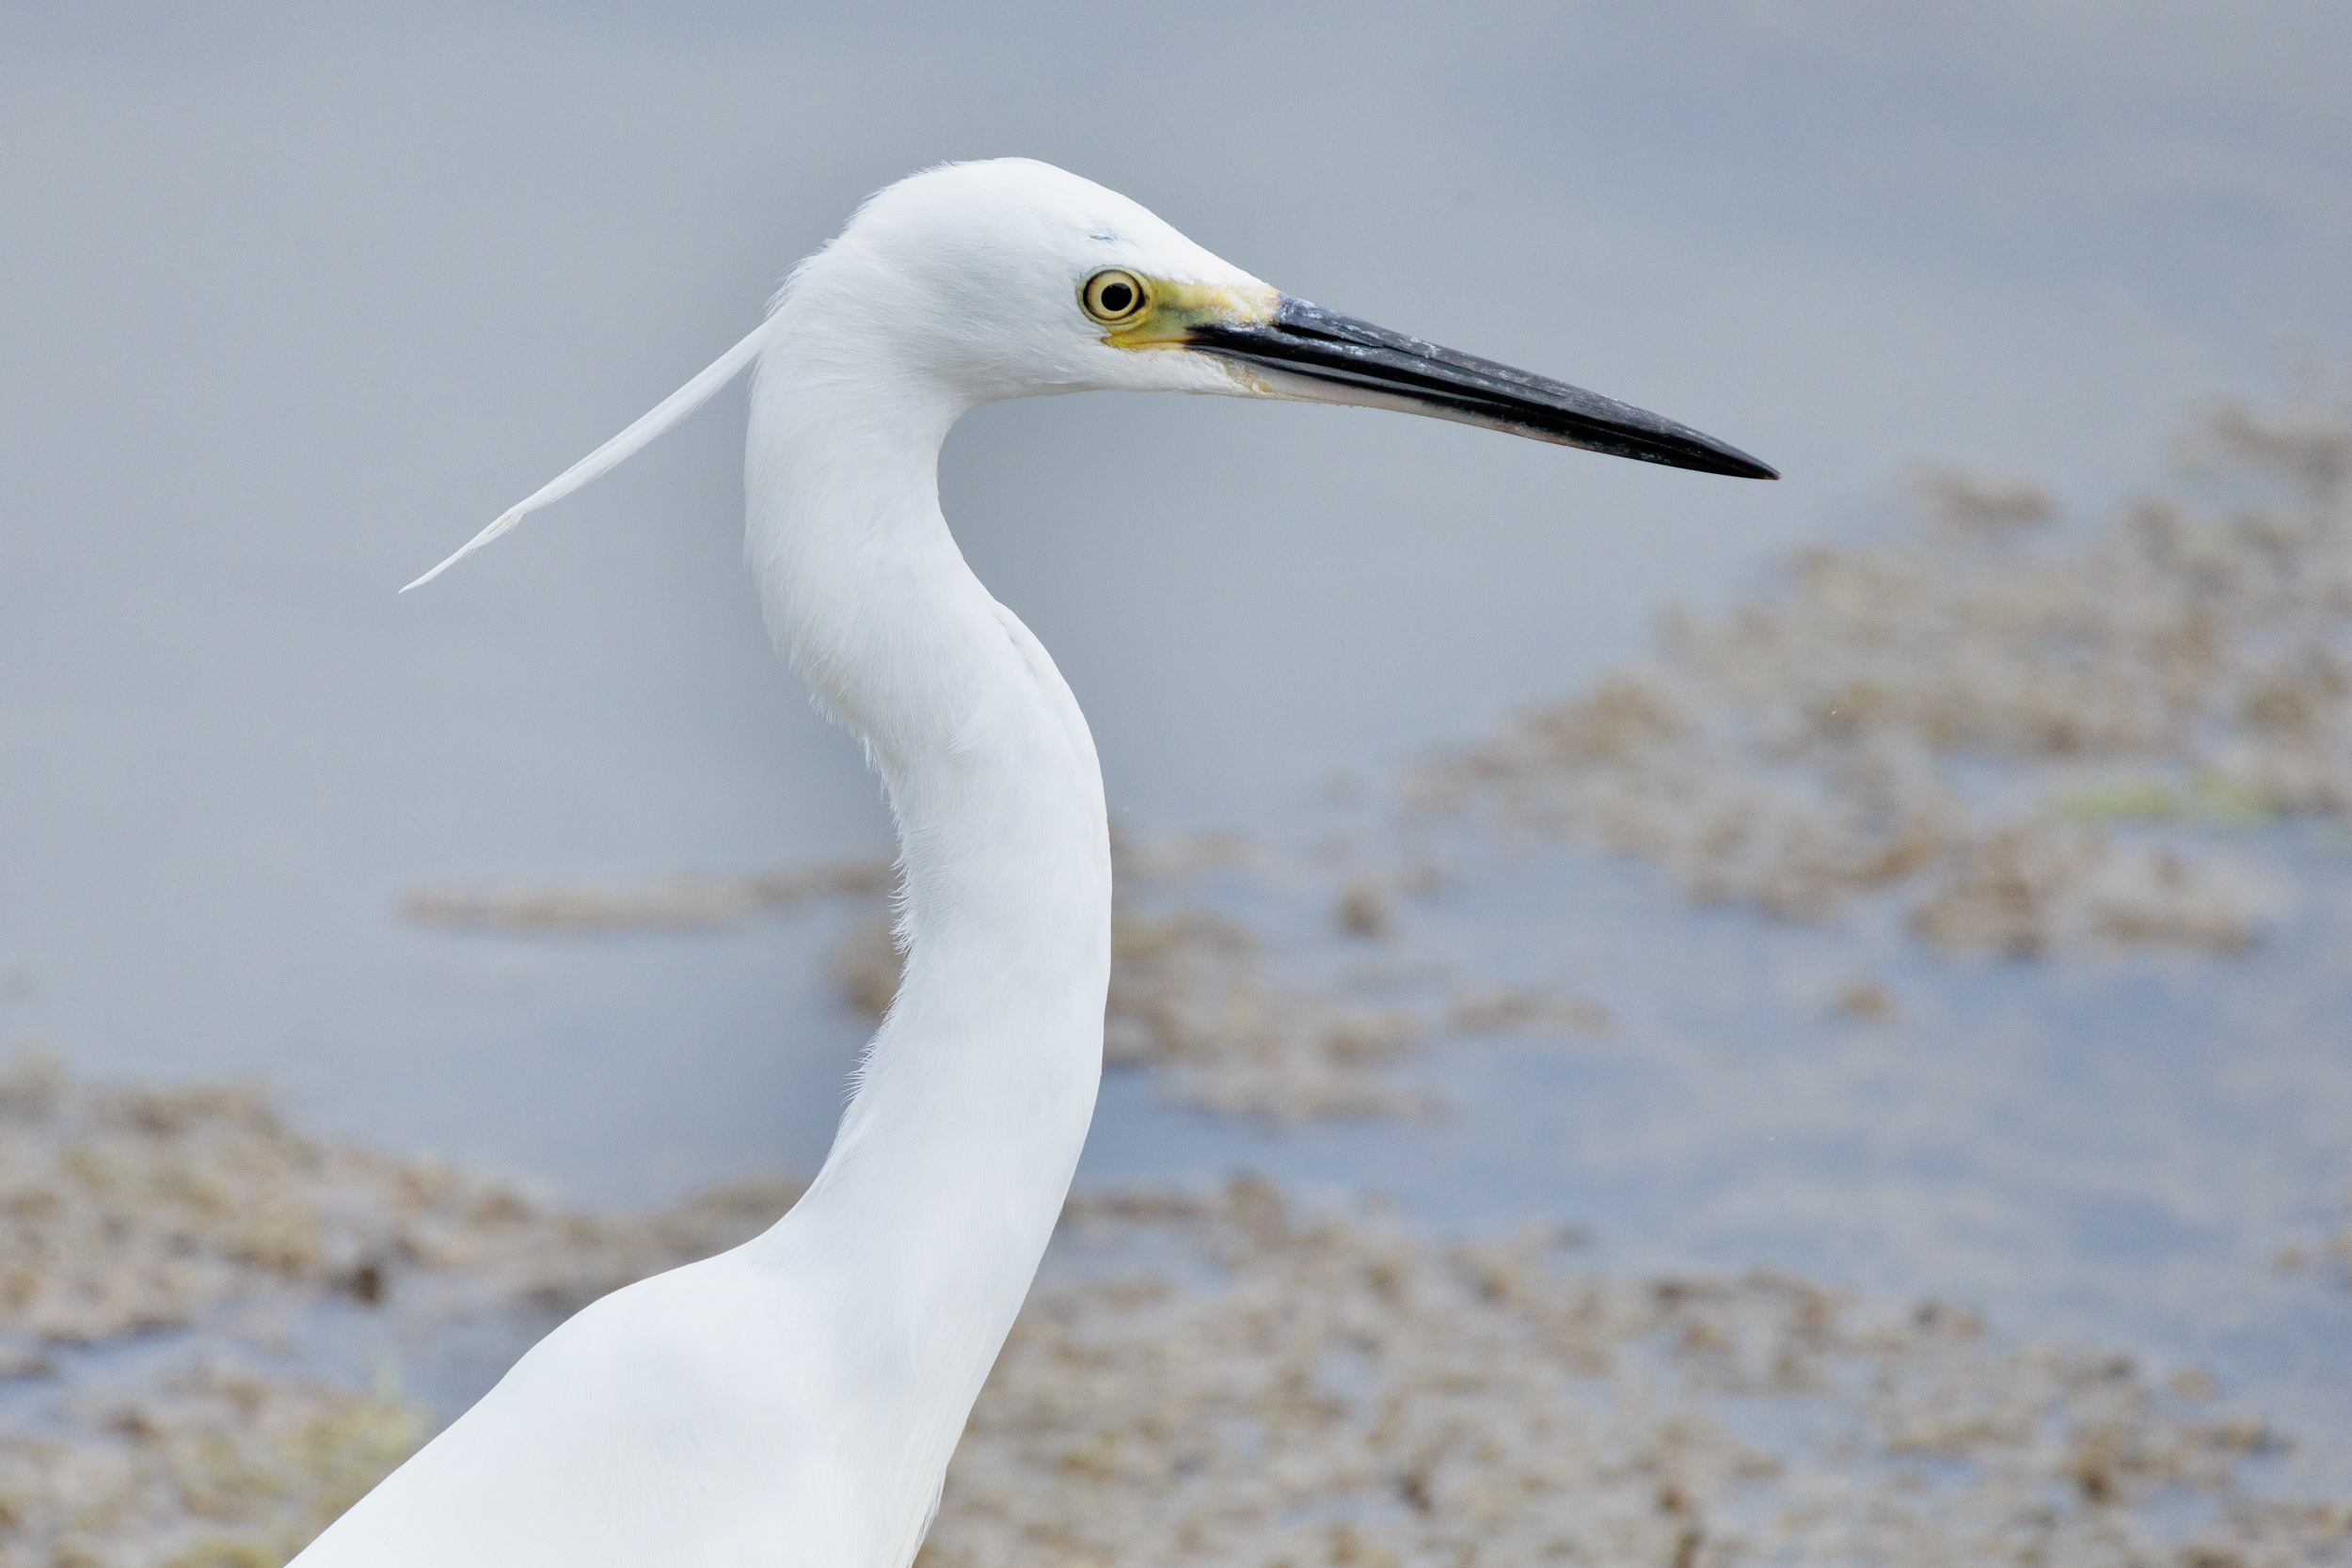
<point>1173,311</point>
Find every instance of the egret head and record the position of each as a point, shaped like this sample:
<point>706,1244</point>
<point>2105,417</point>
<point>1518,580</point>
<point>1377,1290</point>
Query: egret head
<point>1014,278</point>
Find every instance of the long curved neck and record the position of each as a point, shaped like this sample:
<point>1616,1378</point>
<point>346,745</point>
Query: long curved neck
<point>992,1054</point>
<point>953,1159</point>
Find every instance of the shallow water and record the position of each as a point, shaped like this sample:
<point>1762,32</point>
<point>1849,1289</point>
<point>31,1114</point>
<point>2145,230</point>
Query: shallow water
<point>2111,1148</point>
<point>2106,1149</point>
<point>299,304</point>
<point>229,751</point>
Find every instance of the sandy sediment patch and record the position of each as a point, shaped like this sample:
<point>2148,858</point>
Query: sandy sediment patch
<point>1189,996</point>
<point>193,1217</point>
<point>131,1210</point>
<point>1189,993</point>
<point>679,904</point>
<point>1956,719</point>
<point>1317,1389</point>
<point>1213,1378</point>
<point>2330,1255</point>
<point>215,1468</point>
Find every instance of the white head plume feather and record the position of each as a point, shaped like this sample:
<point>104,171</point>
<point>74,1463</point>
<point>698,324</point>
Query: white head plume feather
<point>669,411</point>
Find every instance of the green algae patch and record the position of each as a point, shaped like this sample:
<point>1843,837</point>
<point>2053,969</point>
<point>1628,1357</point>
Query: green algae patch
<point>2204,801</point>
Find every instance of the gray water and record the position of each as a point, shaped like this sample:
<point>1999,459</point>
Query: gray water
<point>293,304</point>
<point>2110,1150</point>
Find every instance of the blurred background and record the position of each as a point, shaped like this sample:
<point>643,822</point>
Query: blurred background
<point>296,301</point>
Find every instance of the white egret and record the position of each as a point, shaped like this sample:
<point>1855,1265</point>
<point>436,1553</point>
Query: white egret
<point>795,1401</point>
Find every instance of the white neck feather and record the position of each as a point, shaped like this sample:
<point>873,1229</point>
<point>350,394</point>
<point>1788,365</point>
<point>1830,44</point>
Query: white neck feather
<point>954,1157</point>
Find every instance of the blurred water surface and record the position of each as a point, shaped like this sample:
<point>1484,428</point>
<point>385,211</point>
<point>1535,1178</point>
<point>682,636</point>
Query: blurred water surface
<point>295,303</point>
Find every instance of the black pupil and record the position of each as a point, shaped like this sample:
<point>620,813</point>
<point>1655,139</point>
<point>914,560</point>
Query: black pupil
<point>1117,297</point>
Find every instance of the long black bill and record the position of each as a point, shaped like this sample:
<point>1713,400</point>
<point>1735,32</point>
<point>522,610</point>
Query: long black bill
<point>1354,362</point>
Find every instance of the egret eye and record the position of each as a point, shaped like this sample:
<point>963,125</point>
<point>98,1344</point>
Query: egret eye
<point>1113,294</point>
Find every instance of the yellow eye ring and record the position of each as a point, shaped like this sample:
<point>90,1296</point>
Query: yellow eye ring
<point>1113,295</point>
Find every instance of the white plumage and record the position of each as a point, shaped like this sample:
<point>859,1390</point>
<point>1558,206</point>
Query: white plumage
<point>795,1401</point>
